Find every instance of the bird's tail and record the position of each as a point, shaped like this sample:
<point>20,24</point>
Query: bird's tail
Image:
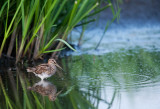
<point>31,69</point>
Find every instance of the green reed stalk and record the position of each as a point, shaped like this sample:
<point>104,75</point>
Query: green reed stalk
<point>37,29</point>
<point>78,14</point>
<point>7,30</point>
<point>8,101</point>
<point>25,95</point>
<point>37,101</point>
<point>26,21</point>
<point>49,25</point>
<point>115,15</point>
<point>37,24</point>
<point>2,9</point>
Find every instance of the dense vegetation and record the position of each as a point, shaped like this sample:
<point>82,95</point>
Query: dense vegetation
<point>31,28</point>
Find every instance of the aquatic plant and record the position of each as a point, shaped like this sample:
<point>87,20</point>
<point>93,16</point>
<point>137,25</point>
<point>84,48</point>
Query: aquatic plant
<point>31,28</point>
<point>88,77</point>
<point>17,95</point>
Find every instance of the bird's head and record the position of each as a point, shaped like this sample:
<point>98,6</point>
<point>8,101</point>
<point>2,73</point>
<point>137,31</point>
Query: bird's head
<point>53,62</point>
<point>52,97</point>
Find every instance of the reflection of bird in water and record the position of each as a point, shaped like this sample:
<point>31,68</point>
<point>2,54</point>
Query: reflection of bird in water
<point>45,89</point>
<point>44,70</point>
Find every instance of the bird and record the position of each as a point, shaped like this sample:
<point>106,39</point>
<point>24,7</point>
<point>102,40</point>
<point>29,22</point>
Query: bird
<point>45,88</point>
<point>46,70</point>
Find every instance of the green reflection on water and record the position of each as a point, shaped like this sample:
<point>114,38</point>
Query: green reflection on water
<point>82,84</point>
<point>130,67</point>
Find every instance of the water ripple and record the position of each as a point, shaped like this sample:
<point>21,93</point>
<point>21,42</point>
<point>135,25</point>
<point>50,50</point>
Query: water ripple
<point>121,81</point>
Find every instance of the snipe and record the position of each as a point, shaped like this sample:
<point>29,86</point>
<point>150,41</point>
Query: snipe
<point>45,88</point>
<point>44,70</point>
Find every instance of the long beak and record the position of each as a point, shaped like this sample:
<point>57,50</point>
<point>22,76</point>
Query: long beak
<point>58,93</point>
<point>58,66</point>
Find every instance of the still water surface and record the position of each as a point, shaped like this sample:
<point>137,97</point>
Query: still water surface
<point>128,79</point>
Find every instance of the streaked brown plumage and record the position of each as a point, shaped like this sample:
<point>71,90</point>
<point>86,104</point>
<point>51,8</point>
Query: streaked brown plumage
<point>45,89</point>
<point>44,70</point>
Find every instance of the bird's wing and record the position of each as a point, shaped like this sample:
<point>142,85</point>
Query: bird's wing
<point>31,69</point>
<point>42,68</point>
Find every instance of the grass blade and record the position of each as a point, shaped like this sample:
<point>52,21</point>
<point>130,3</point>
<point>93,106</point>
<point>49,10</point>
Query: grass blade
<point>66,44</point>
<point>50,51</point>
<point>1,11</point>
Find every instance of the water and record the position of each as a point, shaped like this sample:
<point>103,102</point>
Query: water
<point>123,73</point>
<point>129,79</point>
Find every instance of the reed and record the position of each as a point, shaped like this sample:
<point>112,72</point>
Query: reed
<point>31,99</point>
<point>79,91</point>
<point>31,28</point>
